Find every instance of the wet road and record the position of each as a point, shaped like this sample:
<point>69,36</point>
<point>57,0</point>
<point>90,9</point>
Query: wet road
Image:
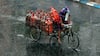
<point>14,34</point>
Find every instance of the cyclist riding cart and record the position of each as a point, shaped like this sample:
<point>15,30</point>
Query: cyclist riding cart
<point>65,16</point>
<point>61,20</point>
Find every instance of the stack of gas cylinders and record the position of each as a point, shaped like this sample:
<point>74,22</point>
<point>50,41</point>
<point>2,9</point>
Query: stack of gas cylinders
<point>40,19</point>
<point>43,20</point>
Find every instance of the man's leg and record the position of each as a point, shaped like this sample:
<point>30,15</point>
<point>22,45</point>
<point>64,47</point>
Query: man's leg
<point>59,33</point>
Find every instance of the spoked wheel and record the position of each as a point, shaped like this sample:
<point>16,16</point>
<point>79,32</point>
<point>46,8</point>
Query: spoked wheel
<point>73,40</point>
<point>35,34</point>
<point>53,41</point>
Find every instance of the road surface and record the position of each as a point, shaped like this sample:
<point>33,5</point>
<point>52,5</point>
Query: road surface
<point>14,34</point>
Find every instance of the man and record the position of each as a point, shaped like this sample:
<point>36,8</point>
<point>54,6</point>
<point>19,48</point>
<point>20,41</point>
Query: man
<point>65,16</point>
<point>56,21</point>
<point>55,15</point>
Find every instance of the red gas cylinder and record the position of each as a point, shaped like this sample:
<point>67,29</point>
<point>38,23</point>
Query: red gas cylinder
<point>49,26</point>
<point>32,20</point>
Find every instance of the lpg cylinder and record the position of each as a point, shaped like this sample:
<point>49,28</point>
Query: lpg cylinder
<point>49,26</point>
<point>32,19</point>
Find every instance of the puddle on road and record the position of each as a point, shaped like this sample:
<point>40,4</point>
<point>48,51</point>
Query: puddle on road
<point>22,19</point>
<point>0,22</point>
<point>1,35</point>
<point>20,35</point>
<point>36,49</point>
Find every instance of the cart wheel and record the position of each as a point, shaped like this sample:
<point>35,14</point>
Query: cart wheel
<point>35,34</point>
<point>53,41</point>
